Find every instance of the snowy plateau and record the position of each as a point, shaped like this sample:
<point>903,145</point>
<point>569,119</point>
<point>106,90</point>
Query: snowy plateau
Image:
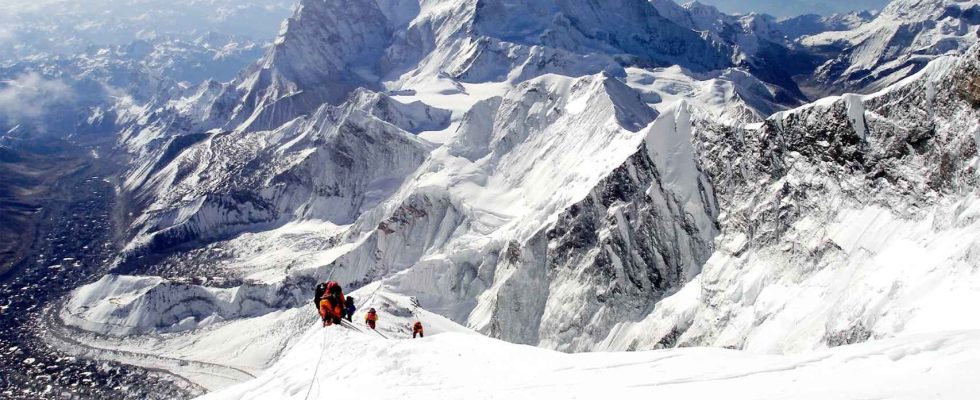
<point>577,198</point>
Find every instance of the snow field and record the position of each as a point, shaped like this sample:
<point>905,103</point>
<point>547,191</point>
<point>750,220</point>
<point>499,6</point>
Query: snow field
<point>455,366</point>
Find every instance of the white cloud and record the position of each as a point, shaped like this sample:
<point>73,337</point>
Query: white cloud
<point>6,35</point>
<point>30,94</point>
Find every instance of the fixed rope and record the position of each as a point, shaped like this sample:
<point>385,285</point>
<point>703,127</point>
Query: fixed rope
<point>371,298</point>
<point>323,350</point>
<point>316,379</point>
<point>374,294</point>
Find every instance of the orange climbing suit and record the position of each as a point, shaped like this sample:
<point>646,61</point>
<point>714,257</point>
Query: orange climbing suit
<point>331,309</point>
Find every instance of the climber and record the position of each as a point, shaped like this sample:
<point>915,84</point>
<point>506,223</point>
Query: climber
<point>349,308</point>
<point>417,330</point>
<point>318,294</point>
<point>371,318</point>
<point>331,302</point>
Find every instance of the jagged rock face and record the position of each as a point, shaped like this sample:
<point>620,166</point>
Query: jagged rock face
<point>966,81</point>
<point>893,141</point>
<point>609,258</point>
<point>862,198</point>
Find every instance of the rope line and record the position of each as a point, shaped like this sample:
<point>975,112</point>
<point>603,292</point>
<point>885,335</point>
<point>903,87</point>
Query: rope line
<point>323,346</point>
<point>323,350</point>
<point>349,325</point>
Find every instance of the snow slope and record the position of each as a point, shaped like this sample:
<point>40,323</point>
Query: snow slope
<point>342,362</point>
<point>211,350</point>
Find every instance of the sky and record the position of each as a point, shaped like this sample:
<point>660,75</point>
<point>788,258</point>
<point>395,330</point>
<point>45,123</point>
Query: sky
<point>788,8</point>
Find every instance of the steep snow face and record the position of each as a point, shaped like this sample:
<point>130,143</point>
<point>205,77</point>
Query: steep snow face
<point>852,218</point>
<point>330,166</point>
<point>898,42</point>
<point>640,234</point>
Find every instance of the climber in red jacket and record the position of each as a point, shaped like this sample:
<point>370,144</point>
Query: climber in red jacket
<point>371,318</point>
<point>331,302</point>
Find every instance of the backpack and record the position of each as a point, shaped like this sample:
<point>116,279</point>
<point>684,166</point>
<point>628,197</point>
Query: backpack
<point>318,293</point>
<point>334,288</point>
<point>335,293</point>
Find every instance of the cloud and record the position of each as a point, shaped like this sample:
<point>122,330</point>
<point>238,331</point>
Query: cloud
<point>30,95</point>
<point>6,35</point>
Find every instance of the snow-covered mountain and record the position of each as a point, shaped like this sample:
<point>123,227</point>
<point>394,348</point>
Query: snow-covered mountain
<point>70,68</point>
<point>901,39</point>
<point>439,50</point>
<point>572,174</point>
<point>328,49</point>
<point>811,24</point>
<point>101,90</point>
<point>65,27</point>
<point>330,166</point>
<point>862,207</point>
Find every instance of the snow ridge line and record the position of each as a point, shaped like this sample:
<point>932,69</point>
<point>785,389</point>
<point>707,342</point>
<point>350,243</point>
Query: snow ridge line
<point>323,349</point>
